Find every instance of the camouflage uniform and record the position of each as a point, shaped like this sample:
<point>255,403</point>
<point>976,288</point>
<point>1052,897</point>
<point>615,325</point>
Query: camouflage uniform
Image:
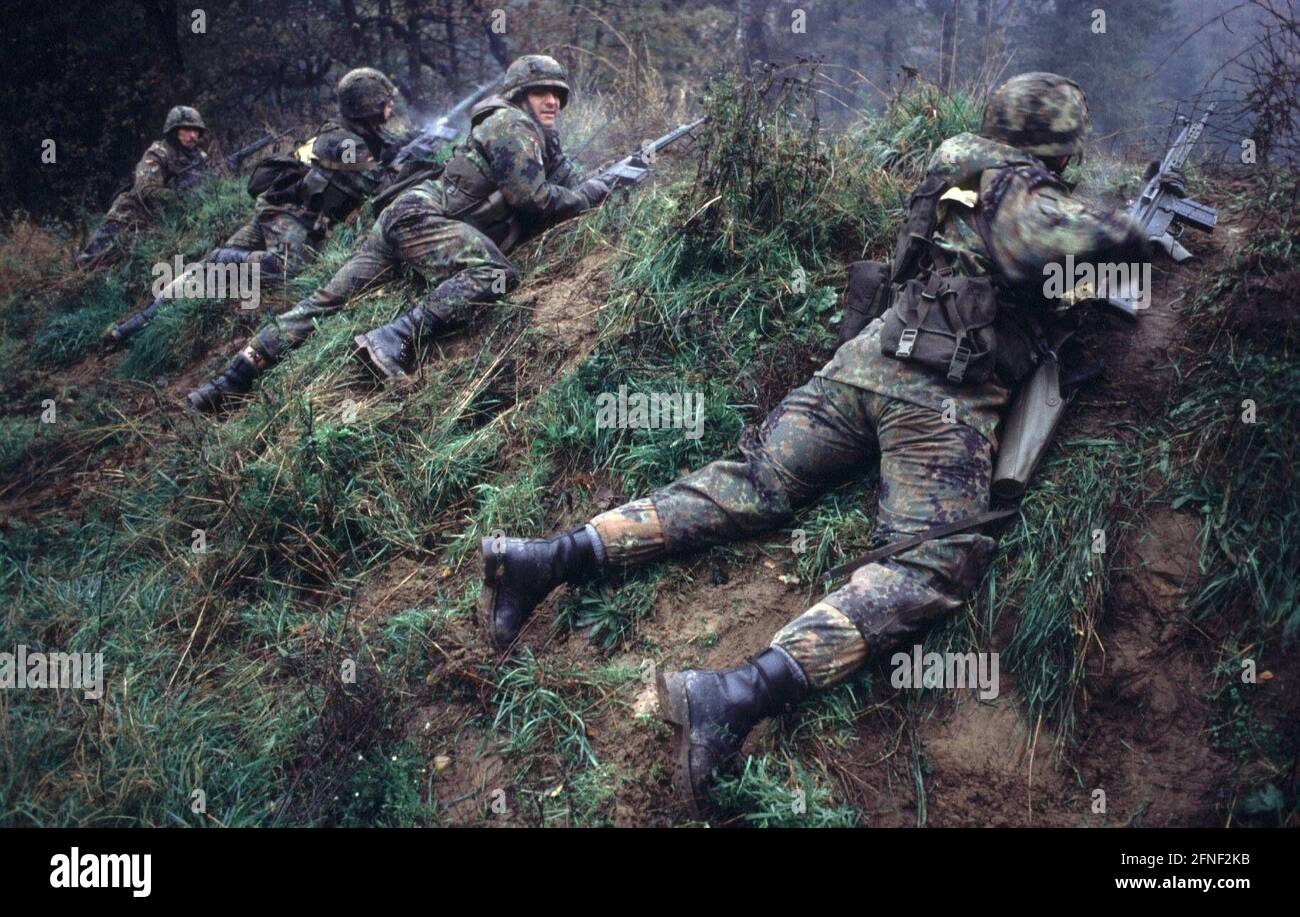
<point>445,235</point>
<point>933,438</point>
<point>348,164</point>
<point>510,179</point>
<point>864,404</point>
<point>165,169</point>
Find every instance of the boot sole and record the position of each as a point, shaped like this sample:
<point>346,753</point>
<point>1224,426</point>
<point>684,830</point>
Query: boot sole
<point>675,710</point>
<point>372,363</point>
<point>487,596</point>
<point>200,405</point>
<point>221,406</point>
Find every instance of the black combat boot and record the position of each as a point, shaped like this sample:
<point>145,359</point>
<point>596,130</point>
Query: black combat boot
<point>519,572</point>
<point>713,711</point>
<point>391,351</point>
<point>99,247</point>
<point>272,268</point>
<point>117,335</point>
<point>236,379</point>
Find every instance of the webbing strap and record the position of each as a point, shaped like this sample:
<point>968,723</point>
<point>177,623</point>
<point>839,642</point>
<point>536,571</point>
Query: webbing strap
<point>897,547</point>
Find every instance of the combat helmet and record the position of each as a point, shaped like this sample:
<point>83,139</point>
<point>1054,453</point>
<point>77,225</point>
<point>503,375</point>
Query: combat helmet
<point>363,93</point>
<point>183,116</point>
<point>1041,113</point>
<point>535,71</point>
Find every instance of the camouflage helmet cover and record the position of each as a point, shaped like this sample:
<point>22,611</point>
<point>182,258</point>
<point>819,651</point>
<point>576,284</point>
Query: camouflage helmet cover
<point>535,71</point>
<point>363,93</point>
<point>1041,113</point>
<point>183,116</point>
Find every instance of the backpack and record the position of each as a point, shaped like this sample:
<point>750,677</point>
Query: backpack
<point>939,318</point>
<point>933,315</point>
<point>277,177</point>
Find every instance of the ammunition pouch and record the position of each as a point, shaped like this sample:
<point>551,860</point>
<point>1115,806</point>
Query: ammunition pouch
<point>473,198</point>
<point>866,298</point>
<point>944,322</point>
<point>325,199</point>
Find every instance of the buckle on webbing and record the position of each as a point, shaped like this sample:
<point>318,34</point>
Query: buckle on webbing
<point>906,341</point>
<point>960,360</point>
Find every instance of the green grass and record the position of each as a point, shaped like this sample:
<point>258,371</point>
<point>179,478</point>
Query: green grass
<point>1238,477</point>
<point>322,492</point>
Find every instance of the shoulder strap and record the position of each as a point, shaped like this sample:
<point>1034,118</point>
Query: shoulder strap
<point>918,227</point>
<point>897,547</point>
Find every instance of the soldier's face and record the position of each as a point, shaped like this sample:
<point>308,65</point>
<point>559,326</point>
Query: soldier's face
<point>187,137</point>
<point>545,104</point>
<point>388,109</point>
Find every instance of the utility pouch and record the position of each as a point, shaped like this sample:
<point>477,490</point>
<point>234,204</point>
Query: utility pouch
<point>278,177</point>
<point>944,322</point>
<point>866,297</point>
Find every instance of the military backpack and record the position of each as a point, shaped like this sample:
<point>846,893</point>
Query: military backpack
<point>279,178</point>
<point>934,315</point>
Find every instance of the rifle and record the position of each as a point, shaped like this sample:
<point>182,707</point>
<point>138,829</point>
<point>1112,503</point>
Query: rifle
<point>1158,207</point>
<point>234,160</point>
<point>632,170</point>
<point>422,145</point>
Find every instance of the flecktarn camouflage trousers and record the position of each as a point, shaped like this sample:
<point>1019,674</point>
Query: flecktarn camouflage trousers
<point>279,231</point>
<point>460,265</point>
<point>822,435</point>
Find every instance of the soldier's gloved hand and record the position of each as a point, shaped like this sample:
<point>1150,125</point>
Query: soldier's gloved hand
<point>595,190</point>
<point>1176,182</point>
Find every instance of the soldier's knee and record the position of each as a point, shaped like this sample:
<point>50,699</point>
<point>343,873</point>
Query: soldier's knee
<point>500,278</point>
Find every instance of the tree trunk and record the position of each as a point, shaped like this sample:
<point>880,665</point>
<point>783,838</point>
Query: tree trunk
<point>413,53</point>
<point>948,47</point>
<point>984,31</point>
<point>164,18</point>
<point>751,32</point>
<point>498,45</point>
<point>453,51</point>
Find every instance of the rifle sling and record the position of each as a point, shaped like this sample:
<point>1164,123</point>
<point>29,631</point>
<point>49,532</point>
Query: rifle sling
<point>897,547</point>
